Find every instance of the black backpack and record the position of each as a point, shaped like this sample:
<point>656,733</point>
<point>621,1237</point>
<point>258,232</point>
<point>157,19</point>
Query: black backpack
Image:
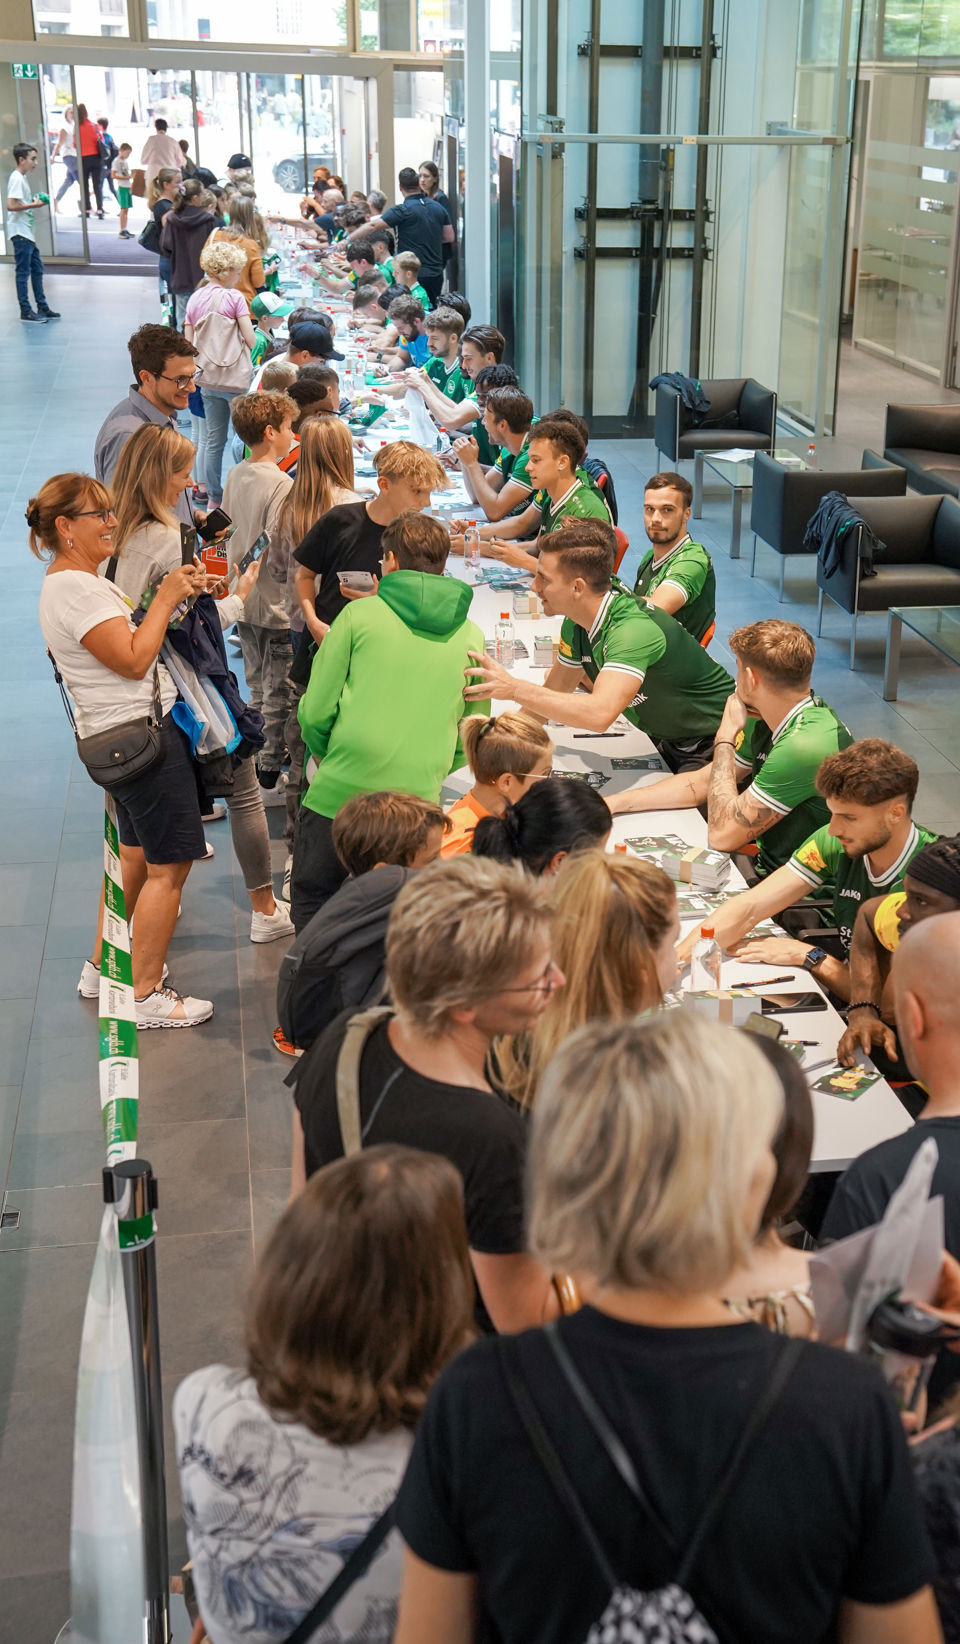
<point>312,987</point>
<point>603,480</point>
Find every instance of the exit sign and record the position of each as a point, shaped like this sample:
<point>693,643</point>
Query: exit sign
<point>25,71</point>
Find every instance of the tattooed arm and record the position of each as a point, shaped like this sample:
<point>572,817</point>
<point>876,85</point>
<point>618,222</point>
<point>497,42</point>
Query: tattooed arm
<point>734,819</point>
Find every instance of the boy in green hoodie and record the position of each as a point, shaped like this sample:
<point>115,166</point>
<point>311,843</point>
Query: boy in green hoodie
<point>385,698</point>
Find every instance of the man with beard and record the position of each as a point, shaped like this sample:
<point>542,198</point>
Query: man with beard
<point>676,574</point>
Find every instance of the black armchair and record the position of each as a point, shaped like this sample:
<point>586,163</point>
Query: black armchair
<point>747,410</point>
<point>920,563</point>
<point>784,498</point>
<point>925,440</point>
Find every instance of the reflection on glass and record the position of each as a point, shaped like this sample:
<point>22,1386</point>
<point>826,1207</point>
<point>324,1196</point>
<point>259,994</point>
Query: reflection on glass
<point>103,17</point>
<point>306,22</point>
<point>218,119</point>
<point>417,115</point>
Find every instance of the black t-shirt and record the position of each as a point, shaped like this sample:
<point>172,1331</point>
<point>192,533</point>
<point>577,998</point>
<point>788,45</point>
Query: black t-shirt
<point>824,1507</point>
<point>477,1131</point>
<point>867,1185</point>
<point>343,539</point>
<point>419,223</point>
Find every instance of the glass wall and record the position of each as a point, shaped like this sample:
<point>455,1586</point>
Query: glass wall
<point>278,23</point>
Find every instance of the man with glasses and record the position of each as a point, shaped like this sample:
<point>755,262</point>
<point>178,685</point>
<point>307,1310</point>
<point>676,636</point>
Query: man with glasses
<point>165,372</point>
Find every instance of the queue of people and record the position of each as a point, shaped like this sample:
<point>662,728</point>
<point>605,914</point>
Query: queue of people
<point>532,1353</point>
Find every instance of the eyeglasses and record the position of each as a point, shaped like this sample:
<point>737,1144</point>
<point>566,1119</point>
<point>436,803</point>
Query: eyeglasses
<point>550,981</point>
<point>180,383</point>
<point>95,513</point>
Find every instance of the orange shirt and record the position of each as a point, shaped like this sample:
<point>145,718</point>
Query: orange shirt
<point>464,816</point>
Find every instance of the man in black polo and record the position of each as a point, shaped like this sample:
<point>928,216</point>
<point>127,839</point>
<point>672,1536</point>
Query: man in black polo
<point>421,225</point>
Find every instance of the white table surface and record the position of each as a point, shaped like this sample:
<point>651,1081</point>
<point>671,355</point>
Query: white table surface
<point>842,1129</point>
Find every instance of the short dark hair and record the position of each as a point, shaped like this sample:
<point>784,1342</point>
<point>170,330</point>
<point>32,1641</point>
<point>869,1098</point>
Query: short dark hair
<point>487,339</point>
<point>869,772</point>
<point>364,295</point>
<point>361,248</point>
<point>512,406</point>
<point>588,549</point>
<point>21,151</point>
<point>383,827</point>
<point>458,302</point>
<point>419,543</point>
<point>352,216</point>
<point>317,315</point>
<point>495,376</point>
<point>564,437</point>
<point>315,375</point>
<point>408,180</point>
<point>573,418</point>
<point>310,388</point>
<point>153,345</point>
<point>102,121</point>
<point>406,310</point>
<point>793,1142</point>
<point>381,235</point>
<point>160,125</point>
<point>671,482</point>
<point>554,815</point>
<point>446,320</point>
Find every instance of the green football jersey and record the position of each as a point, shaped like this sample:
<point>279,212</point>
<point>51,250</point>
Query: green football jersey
<point>447,378</point>
<point>784,765</point>
<point>822,860</point>
<point>689,568</point>
<point>681,691</point>
<point>581,500</point>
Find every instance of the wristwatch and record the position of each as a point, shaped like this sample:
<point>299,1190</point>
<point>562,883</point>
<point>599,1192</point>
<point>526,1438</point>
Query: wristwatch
<point>815,957</point>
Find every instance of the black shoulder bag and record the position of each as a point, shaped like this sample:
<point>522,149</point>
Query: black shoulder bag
<point>355,1566</point>
<point>124,751</point>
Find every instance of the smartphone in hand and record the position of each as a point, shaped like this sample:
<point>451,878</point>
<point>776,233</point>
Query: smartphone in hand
<point>360,582</point>
<point>188,544</point>
<point>255,551</point>
<point>215,522</point>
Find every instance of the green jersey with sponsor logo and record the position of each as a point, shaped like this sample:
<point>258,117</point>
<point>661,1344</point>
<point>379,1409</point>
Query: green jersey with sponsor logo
<point>822,860</point>
<point>689,568</point>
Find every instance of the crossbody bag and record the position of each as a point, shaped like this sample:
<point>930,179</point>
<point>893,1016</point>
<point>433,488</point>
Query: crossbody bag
<point>124,751</point>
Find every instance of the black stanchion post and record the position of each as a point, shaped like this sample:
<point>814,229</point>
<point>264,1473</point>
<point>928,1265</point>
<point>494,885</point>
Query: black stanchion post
<point>132,1190</point>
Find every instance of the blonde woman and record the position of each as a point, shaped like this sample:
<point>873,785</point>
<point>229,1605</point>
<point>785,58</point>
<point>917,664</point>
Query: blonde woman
<point>649,1165</point>
<point>153,472</point>
<point>615,932</point>
<point>505,756</point>
<point>223,263</point>
<point>246,230</point>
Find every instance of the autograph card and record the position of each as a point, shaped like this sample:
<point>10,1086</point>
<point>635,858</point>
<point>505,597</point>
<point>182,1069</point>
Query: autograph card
<point>846,1082</point>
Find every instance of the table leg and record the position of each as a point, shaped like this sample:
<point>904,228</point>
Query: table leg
<point>697,508</point>
<point>735,522</point>
<point>891,667</point>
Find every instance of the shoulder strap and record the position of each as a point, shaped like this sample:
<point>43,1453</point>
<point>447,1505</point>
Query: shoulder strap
<point>506,1347</point>
<point>359,1029</point>
<point>353,1569</point>
<point>63,691</point>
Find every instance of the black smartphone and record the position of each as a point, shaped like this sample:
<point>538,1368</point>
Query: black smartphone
<point>764,1026</point>
<point>215,522</point>
<point>772,1003</point>
<point>188,544</point>
<point>255,551</point>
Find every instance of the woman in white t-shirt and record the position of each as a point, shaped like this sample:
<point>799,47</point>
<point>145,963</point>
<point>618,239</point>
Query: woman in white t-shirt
<point>363,1294</point>
<point>223,262</point>
<point>109,665</point>
<point>149,479</point>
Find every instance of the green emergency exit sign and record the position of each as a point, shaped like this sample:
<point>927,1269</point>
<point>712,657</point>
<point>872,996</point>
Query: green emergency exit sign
<point>25,71</point>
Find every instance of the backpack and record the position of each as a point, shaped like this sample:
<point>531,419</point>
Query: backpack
<point>223,356</point>
<point>667,1615</point>
<point>312,989</point>
<point>603,480</point>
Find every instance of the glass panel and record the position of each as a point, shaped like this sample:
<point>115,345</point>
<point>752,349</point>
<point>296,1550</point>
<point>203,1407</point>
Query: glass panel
<point>440,24</point>
<point>921,28</point>
<point>417,115</point>
<point>938,624</point>
<point>104,17</point>
<point>279,22</point>
<point>218,119</point>
<point>276,138</point>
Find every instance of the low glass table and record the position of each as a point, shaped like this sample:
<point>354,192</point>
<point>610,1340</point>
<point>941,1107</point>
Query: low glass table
<point>939,625</point>
<point>735,468</point>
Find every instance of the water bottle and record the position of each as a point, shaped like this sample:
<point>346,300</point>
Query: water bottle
<point>812,454</point>
<point>503,640</point>
<point>471,550</point>
<point>705,962</point>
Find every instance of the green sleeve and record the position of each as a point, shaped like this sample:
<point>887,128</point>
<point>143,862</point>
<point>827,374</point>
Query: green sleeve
<point>744,748</point>
<point>687,571</point>
<point>784,779</point>
<point>817,859</point>
<point>570,653</point>
<point>633,647</point>
<point>320,703</point>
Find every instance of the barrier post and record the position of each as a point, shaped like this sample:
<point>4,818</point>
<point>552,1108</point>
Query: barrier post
<point>130,1186</point>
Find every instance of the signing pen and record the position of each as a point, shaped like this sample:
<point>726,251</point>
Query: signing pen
<point>599,734</point>
<point>768,982</point>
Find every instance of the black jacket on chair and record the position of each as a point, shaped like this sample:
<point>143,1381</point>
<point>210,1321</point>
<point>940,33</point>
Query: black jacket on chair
<point>920,564</point>
<point>784,499</point>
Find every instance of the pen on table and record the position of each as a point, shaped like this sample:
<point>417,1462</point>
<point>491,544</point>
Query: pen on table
<point>599,734</point>
<point>768,982</point>
<point>816,1066</point>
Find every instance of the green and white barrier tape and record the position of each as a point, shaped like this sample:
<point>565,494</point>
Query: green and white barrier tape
<point>119,1067</point>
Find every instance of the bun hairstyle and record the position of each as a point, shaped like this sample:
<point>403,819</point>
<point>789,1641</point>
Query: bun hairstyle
<point>553,815</point>
<point>510,745</point>
<point>63,495</point>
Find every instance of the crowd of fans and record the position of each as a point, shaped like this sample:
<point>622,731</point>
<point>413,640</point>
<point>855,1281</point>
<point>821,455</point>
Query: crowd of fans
<point>532,1353</point>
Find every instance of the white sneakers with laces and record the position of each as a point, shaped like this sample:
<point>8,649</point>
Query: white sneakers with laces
<point>267,927</point>
<point>88,986</point>
<point>157,1010</point>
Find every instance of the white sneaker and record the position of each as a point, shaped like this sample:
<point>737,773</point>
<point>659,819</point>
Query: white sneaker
<point>277,795</point>
<point>88,986</point>
<point>158,1009</point>
<point>266,927</point>
<point>216,813</point>
<point>207,856</point>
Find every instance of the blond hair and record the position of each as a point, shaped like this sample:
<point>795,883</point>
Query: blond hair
<point>148,462</point>
<point>402,460</point>
<point>166,174</point>
<point>245,216</point>
<point>220,257</point>
<point>611,914</point>
<point>509,745</point>
<point>277,374</point>
<point>324,466</point>
<point>408,262</point>
<point>460,932</point>
<point>646,1139</point>
<point>62,496</point>
<point>782,651</point>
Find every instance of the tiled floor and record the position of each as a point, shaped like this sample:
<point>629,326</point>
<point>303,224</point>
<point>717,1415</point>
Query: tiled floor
<point>215,1116</point>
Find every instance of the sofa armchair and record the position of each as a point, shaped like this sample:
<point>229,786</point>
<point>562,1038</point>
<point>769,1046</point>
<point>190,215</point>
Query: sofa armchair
<point>750,409</point>
<point>783,499</point>
<point>919,565</point>
<point>925,440</point>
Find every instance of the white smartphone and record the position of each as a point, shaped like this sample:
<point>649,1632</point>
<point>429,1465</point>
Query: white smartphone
<point>360,582</point>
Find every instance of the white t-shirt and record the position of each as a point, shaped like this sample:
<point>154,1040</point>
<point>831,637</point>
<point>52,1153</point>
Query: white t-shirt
<point>149,554</point>
<point>272,1512</point>
<point>21,222</point>
<point>71,604</point>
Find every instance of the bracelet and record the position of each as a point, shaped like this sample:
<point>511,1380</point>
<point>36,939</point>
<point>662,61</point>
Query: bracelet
<point>862,1004</point>
<point>724,742</point>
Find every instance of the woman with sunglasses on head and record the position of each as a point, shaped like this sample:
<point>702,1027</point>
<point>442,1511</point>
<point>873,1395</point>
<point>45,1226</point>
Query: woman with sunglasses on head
<point>112,671</point>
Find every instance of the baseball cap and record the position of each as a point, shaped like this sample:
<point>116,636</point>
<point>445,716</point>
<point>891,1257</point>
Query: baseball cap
<point>267,302</point>
<point>239,162</point>
<point>314,337</point>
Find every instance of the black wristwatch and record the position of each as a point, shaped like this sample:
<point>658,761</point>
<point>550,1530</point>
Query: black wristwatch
<point>815,957</point>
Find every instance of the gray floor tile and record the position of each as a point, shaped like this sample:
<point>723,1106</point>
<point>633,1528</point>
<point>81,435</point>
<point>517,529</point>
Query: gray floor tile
<point>53,1216</point>
<point>9,1106</point>
<point>202,1169</point>
<point>20,957</point>
<point>16,1021</point>
<point>202,1286</point>
<point>32,1609</point>
<point>269,1112</point>
<point>69,1158</point>
<point>26,890</point>
<point>42,1297</point>
<point>271,1191</point>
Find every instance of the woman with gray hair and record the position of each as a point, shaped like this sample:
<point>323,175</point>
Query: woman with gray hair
<point>601,1452</point>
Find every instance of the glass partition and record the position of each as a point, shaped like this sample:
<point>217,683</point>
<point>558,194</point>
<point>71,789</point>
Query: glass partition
<point>103,17</point>
<point>282,23</point>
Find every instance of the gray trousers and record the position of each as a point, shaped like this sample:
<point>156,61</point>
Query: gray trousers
<point>248,827</point>
<point>298,754</point>
<point>267,655</point>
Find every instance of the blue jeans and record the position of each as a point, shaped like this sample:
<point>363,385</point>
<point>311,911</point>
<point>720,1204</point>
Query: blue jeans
<point>216,411</point>
<point>70,167</point>
<point>29,266</point>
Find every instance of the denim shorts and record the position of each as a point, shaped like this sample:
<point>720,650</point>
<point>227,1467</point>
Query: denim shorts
<point>160,810</point>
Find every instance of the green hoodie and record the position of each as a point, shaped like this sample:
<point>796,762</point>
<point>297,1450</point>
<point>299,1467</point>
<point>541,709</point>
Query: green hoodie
<point>386,691</point>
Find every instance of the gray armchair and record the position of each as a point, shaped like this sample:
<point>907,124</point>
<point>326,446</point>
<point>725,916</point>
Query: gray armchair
<point>925,440</point>
<point>742,414</point>
<point>784,498</point>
